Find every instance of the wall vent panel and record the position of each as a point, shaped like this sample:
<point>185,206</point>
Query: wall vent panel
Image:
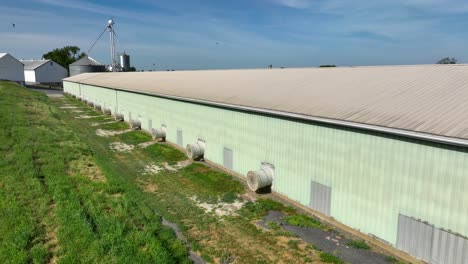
<point>228,158</point>
<point>320,198</point>
<point>180,138</point>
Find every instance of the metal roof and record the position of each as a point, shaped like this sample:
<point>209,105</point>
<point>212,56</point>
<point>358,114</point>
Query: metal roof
<point>427,99</point>
<point>85,61</point>
<point>33,64</point>
<point>3,54</point>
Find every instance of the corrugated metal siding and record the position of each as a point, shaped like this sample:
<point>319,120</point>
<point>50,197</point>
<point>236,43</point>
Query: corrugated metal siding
<point>424,98</point>
<point>430,243</point>
<point>449,248</point>
<point>374,177</point>
<point>415,237</point>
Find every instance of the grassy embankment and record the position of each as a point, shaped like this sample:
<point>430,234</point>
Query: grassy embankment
<point>56,204</point>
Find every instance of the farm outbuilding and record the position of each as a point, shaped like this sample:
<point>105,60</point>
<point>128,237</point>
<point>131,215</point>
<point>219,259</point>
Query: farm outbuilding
<point>11,69</point>
<point>43,71</point>
<point>382,150</point>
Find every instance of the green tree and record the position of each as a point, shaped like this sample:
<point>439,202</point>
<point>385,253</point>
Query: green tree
<point>132,69</point>
<point>65,56</point>
<point>447,60</point>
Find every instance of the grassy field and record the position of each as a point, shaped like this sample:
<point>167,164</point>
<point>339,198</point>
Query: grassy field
<point>68,196</point>
<point>180,194</point>
<point>57,204</point>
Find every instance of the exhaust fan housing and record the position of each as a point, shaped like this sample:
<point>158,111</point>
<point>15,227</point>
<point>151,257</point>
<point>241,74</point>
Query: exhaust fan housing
<point>261,178</point>
<point>119,116</point>
<point>159,132</point>
<point>195,151</point>
<point>107,111</point>
<point>135,124</point>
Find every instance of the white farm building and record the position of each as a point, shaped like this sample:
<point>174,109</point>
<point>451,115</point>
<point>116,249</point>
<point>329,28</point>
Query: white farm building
<point>43,71</point>
<point>11,69</point>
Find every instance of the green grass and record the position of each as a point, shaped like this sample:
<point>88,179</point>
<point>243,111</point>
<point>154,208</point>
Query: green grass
<point>133,137</point>
<point>359,244</point>
<point>160,152</point>
<point>51,212</point>
<point>329,258</point>
<point>294,244</point>
<point>303,221</point>
<point>278,231</point>
<point>214,182</point>
<point>229,197</point>
<point>393,260</point>
<point>115,126</point>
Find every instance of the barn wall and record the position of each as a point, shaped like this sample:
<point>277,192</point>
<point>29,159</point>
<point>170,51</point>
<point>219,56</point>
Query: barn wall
<point>50,73</point>
<point>373,177</point>
<point>11,69</point>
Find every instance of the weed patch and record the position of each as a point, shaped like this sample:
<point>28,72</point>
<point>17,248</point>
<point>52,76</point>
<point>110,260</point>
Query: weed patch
<point>260,208</point>
<point>359,244</point>
<point>329,258</point>
<point>393,260</point>
<point>303,221</point>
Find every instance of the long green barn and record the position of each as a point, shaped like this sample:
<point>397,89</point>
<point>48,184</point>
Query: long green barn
<point>382,150</point>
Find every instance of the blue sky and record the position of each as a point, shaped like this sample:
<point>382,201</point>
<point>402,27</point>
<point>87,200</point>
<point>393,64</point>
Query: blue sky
<point>183,34</point>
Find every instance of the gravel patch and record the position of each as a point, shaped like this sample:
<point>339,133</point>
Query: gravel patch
<point>178,166</point>
<point>221,208</point>
<point>68,107</point>
<point>121,147</point>
<point>152,169</point>
<point>183,164</point>
<point>103,123</point>
<point>147,144</point>
<point>87,116</point>
<point>110,133</point>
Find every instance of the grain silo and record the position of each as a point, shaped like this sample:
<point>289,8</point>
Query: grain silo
<point>124,61</point>
<point>86,64</point>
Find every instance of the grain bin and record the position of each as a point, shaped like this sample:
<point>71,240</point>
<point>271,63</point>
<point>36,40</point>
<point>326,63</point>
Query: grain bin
<point>125,61</point>
<point>86,64</point>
